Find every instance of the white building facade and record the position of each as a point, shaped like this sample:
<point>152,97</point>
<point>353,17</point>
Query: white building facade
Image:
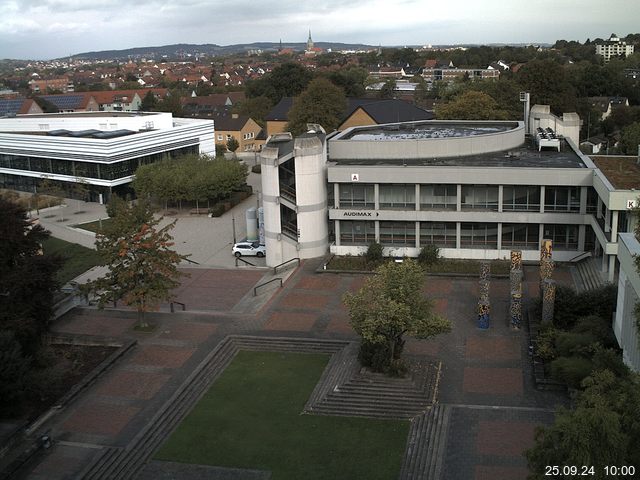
<point>102,149</point>
<point>625,323</point>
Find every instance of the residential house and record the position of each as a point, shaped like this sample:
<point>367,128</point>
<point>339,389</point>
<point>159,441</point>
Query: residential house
<point>613,47</point>
<point>244,129</point>
<point>605,105</point>
<point>18,106</point>
<point>62,84</point>
<point>73,102</point>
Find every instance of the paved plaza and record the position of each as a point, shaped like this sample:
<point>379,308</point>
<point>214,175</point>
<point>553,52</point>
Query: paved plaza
<point>486,383</point>
<point>486,376</point>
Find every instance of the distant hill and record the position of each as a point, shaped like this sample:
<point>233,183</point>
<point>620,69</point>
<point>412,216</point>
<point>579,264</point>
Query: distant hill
<point>208,49</point>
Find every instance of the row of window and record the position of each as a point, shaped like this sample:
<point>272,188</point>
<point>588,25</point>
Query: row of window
<point>104,171</point>
<point>443,234</point>
<point>473,197</point>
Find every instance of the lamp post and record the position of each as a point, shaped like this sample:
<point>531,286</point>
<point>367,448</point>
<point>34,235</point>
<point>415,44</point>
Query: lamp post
<point>233,227</point>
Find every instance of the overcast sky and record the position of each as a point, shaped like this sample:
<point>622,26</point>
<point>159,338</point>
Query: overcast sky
<point>44,29</point>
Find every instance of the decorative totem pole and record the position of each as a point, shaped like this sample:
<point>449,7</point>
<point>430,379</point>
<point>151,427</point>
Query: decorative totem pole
<point>484,307</point>
<point>547,285</point>
<point>515,282</point>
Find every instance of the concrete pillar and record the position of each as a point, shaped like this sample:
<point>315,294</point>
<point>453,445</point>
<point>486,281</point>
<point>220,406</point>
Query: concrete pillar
<point>458,230</point>
<point>500,234</point>
<point>459,198</point>
<point>500,200</point>
<point>540,234</point>
<point>583,200</point>
<point>612,268</point>
<point>336,231</point>
<point>614,226</point>
<point>376,196</point>
<point>582,234</point>
<point>417,196</point>
<point>417,234</point>
<point>542,194</point>
<point>377,231</point>
<point>607,221</point>
<point>336,195</point>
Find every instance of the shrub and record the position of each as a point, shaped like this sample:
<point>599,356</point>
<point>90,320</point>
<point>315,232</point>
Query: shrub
<point>545,343</point>
<point>374,253</point>
<point>571,370</point>
<point>14,369</point>
<point>610,359</point>
<point>429,254</point>
<point>217,210</point>
<point>256,169</point>
<point>598,327</point>
<point>570,306</point>
<point>375,356</point>
<point>570,343</point>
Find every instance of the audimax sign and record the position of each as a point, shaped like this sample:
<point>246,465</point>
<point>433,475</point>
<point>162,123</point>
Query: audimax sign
<point>362,213</point>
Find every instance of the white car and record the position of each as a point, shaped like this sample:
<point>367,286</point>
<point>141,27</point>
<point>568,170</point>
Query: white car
<point>249,249</point>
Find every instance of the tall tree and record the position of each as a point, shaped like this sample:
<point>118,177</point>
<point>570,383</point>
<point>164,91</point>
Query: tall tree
<point>27,278</point>
<point>389,306</point>
<point>471,105</point>
<point>143,268</point>
<point>548,84</point>
<point>630,139</point>
<point>322,102</point>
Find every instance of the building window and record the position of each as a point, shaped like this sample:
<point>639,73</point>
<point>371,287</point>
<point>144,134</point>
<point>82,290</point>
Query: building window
<point>479,197</point>
<point>592,200</point>
<point>564,237</point>
<point>562,199</point>
<point>479,235</point>
<point>220,137</point>
<point>521,198</point>
<point>397,197</point>
<point>357,233</point>
<point>398,234</point>
<point>356,196</point>
<point>442,234</point>
<point>438,197</point>
<point>520,235</point>
<point>229,137</point>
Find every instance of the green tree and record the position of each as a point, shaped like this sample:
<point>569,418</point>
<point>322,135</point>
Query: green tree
<point>471,105</point>
<point>602,430</point>
<point>255,108</point>
<point>322,102</point>
<point>149,102</point>
<point>351,79</point>
<point>232,144</point>
<point>389,306</point>
<point>286,80</point>
<point>388,89</point>
<point>27,279</point>
<point>630,139</point>
<point>143,268</point>
<point>548,84</point>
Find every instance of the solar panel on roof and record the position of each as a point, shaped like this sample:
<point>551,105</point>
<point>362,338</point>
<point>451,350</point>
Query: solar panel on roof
<point>59,133</point>
<point>10,107</point>
<point>65,102</point>
<point>84,133</point>
<point>112,134</point>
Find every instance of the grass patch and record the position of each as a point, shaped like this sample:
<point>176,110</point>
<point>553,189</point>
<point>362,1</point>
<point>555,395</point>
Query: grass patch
<point>77,259</point>
<point>250,418</point>
<point>94,226</point>
<point>443,265</point>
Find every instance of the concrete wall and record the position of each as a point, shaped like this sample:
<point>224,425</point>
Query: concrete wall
<point>343,147</point>
<point>567,126</point>
<point>78,121</point>
<point>271,204</point>
<point>624,325</point>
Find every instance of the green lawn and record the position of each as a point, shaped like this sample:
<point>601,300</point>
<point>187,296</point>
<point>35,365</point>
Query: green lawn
<point>77,259</point>
<point>250,418</point>
<point>94,226</point>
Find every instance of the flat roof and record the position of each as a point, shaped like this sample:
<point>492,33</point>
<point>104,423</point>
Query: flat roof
<point>623,172</point>
<point>89,114</point>
<point>416,131</point>
<point>524,156</point>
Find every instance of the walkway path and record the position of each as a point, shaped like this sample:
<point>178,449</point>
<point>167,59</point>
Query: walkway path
<point>489,405</point>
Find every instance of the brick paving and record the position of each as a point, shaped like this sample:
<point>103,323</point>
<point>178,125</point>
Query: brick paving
<point>479,368</point>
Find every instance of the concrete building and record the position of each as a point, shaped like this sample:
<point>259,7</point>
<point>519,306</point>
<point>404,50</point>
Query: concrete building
<point>613,47</point>
<point>625,323</point>
<point>475,189</point>
<point>103,149</point>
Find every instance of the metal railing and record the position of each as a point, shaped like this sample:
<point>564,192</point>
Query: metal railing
<point>243,261</point>
<point>275,269</point>
<point>184,307</point>
<point>255,289</point>
<point>580,256</point>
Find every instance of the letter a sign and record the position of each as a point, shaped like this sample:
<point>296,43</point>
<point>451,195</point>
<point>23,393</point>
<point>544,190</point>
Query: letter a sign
<point>355,177</point>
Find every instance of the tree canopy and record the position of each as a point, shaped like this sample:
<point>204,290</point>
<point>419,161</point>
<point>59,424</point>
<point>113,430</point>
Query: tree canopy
<point>630,139</point>
<point>389,306</point>
<point>191,178</point>
<point>322,102</point>
<point>286,80</point>
<point>471,105</point>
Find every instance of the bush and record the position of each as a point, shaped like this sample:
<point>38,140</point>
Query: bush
<point>545,343</point>
<point>571,306</point>
<point>217,210</point>
<point>429,254</point>
<point>610,359</point>
<point>598,327</point>
<point>376,356</point>
<point>256,169</point>
<point>374,253</point>
<point>570,343</point>
<point>14,370</point>
<point>571,370</point>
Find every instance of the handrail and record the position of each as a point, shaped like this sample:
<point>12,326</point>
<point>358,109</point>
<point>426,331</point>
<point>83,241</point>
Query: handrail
<point>255,289</point>
<point>580,256</point>
<point>192,261</point>
<point>179,303</point>
<point>244,261</point>
<point>275,269</point>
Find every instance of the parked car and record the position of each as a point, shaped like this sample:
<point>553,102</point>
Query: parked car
<point>249,249</point>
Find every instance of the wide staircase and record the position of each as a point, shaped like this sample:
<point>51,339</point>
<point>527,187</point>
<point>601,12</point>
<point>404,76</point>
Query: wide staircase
<point>590,276</point>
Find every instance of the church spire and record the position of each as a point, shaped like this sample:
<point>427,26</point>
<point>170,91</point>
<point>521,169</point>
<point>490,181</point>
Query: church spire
<point>309,42</point>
